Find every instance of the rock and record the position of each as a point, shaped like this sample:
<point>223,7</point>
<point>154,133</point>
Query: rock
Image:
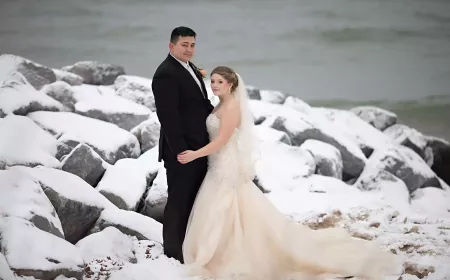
<point>265,133</point>
<point>156,198</point>
<point>70,78</point>
<point>148,132</point>
<point>62,92</point>
<point>377,117</point>
<point>411,138</point>
<point>109,141</point>
<point>354,128</point>
<point>297,104</point>
<point>108,243</point>
<point>125,183</point>
<point>95,73</point>
<point>136,89</point>
<point>64,147</point>
<point>5,272</point>
<point>262,110</point>
<point>114,109</point>
<point>130,223</point>
<point>37,75</point>
<point>22,197</point>
<point>419,270</point>
<point>21,98</point>
<point>405,164</point>
<point>327,158</point>
<point>392,189</point>
<point>280,164</point>
<point>253,93</point>
<point>441,157</point>
<point>78,204</point>
<point>32,252</point>
<point>22,142</point>
<point>84,162</point>
<point>273,96</point>
<point>301,127</point>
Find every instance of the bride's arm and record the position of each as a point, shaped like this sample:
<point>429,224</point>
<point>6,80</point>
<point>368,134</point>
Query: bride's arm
<point>228,122</point>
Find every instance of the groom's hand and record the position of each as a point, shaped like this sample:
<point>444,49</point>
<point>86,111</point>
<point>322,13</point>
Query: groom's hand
<point>187,156</point>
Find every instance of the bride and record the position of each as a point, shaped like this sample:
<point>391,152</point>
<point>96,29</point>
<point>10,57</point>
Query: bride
<point>234,230</point>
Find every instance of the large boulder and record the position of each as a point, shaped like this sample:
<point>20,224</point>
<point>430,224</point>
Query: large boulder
<point>405,164</point>
<point>148,132</point>
<point>328,159</point>
<point>441,157</point>
<point>22,197</point>
<point>78,204</point>
<point>136,89</point>
<point>108,140</point>
<point>37,75</point>
<point>377,117</point>
<point>32,252</point>
<point>95,73</point>
<point>22,142</point>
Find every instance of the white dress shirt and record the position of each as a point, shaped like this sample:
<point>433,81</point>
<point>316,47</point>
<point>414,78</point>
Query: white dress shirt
<point>191,71</point>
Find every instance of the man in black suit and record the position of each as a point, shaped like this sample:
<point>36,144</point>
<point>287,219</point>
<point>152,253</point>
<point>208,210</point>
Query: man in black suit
<point>182,107</point>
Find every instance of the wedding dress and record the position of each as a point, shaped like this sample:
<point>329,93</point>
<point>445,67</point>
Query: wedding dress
<point>235,232</point>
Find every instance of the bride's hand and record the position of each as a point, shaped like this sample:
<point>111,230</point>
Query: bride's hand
<point>187,156</point>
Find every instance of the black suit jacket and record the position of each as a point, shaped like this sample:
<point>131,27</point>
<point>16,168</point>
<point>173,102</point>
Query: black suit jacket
<point>182,109</point>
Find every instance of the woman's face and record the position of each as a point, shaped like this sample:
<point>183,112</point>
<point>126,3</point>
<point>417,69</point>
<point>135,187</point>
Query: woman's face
<point>219,85</point>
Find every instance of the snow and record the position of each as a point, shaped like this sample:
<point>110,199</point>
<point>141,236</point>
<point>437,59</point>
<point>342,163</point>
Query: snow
<point>23,252</point>
<point>5,271</point>
<point>67,185</point>
<point>14,96</point>
<point>103,135</point>
<point>126,179</point>
<point>110,242</point>
<point>22,197</point>
<point>111,104</point>
<point>24,142</point>
<point>150,228</point>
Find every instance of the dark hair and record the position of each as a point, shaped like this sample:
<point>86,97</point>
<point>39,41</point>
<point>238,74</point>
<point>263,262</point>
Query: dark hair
<point>181,31</point>
<point>228,74</point>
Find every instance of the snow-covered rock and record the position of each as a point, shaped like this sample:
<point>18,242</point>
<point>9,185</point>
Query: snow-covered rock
<point>273,96</point>
<point>37,75</point>
<point>22,142</point>
<point>253,92</point>
<point>265,133</point>
<point>136,89</point>
<point>301,127</point>
<point>95,73</point>
<point>262,110</point>
<point>148,132</point>
<point>84,162</point>
<point>108,140</point>
<point>125,183</point>
<point>411,138</point>
<point>394,191</point>
<point>441,157</point>
<point>5,271</point>
<point>405,164</point>
<point>377,117</point>
<point>109,242</point>
<point>328,159</point>
<point>70,78</point>
<point>62,92</point>
<point>297,104</point>
<point>22,197</point>
<point>19,97</point>
<point>280,165</point>
<point>156,197</point>
<point>30,251</point>
<point>130,223</point>
<point>78,204</point>
<point>354,128</point>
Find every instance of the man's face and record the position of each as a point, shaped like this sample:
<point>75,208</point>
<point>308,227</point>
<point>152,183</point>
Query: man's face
<point>183,49</point>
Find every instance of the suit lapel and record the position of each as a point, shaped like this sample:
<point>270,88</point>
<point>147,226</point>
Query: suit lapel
<point>200,78</point>
<point>189,76</point>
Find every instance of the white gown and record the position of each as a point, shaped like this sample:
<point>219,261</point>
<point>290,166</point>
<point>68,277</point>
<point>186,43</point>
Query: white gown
<point>235,232</point>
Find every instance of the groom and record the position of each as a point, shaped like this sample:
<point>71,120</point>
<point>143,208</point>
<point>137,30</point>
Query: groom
<point>182,107</point>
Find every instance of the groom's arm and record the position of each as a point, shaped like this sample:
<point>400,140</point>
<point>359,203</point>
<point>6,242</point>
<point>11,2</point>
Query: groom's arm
<point>166,96</point>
